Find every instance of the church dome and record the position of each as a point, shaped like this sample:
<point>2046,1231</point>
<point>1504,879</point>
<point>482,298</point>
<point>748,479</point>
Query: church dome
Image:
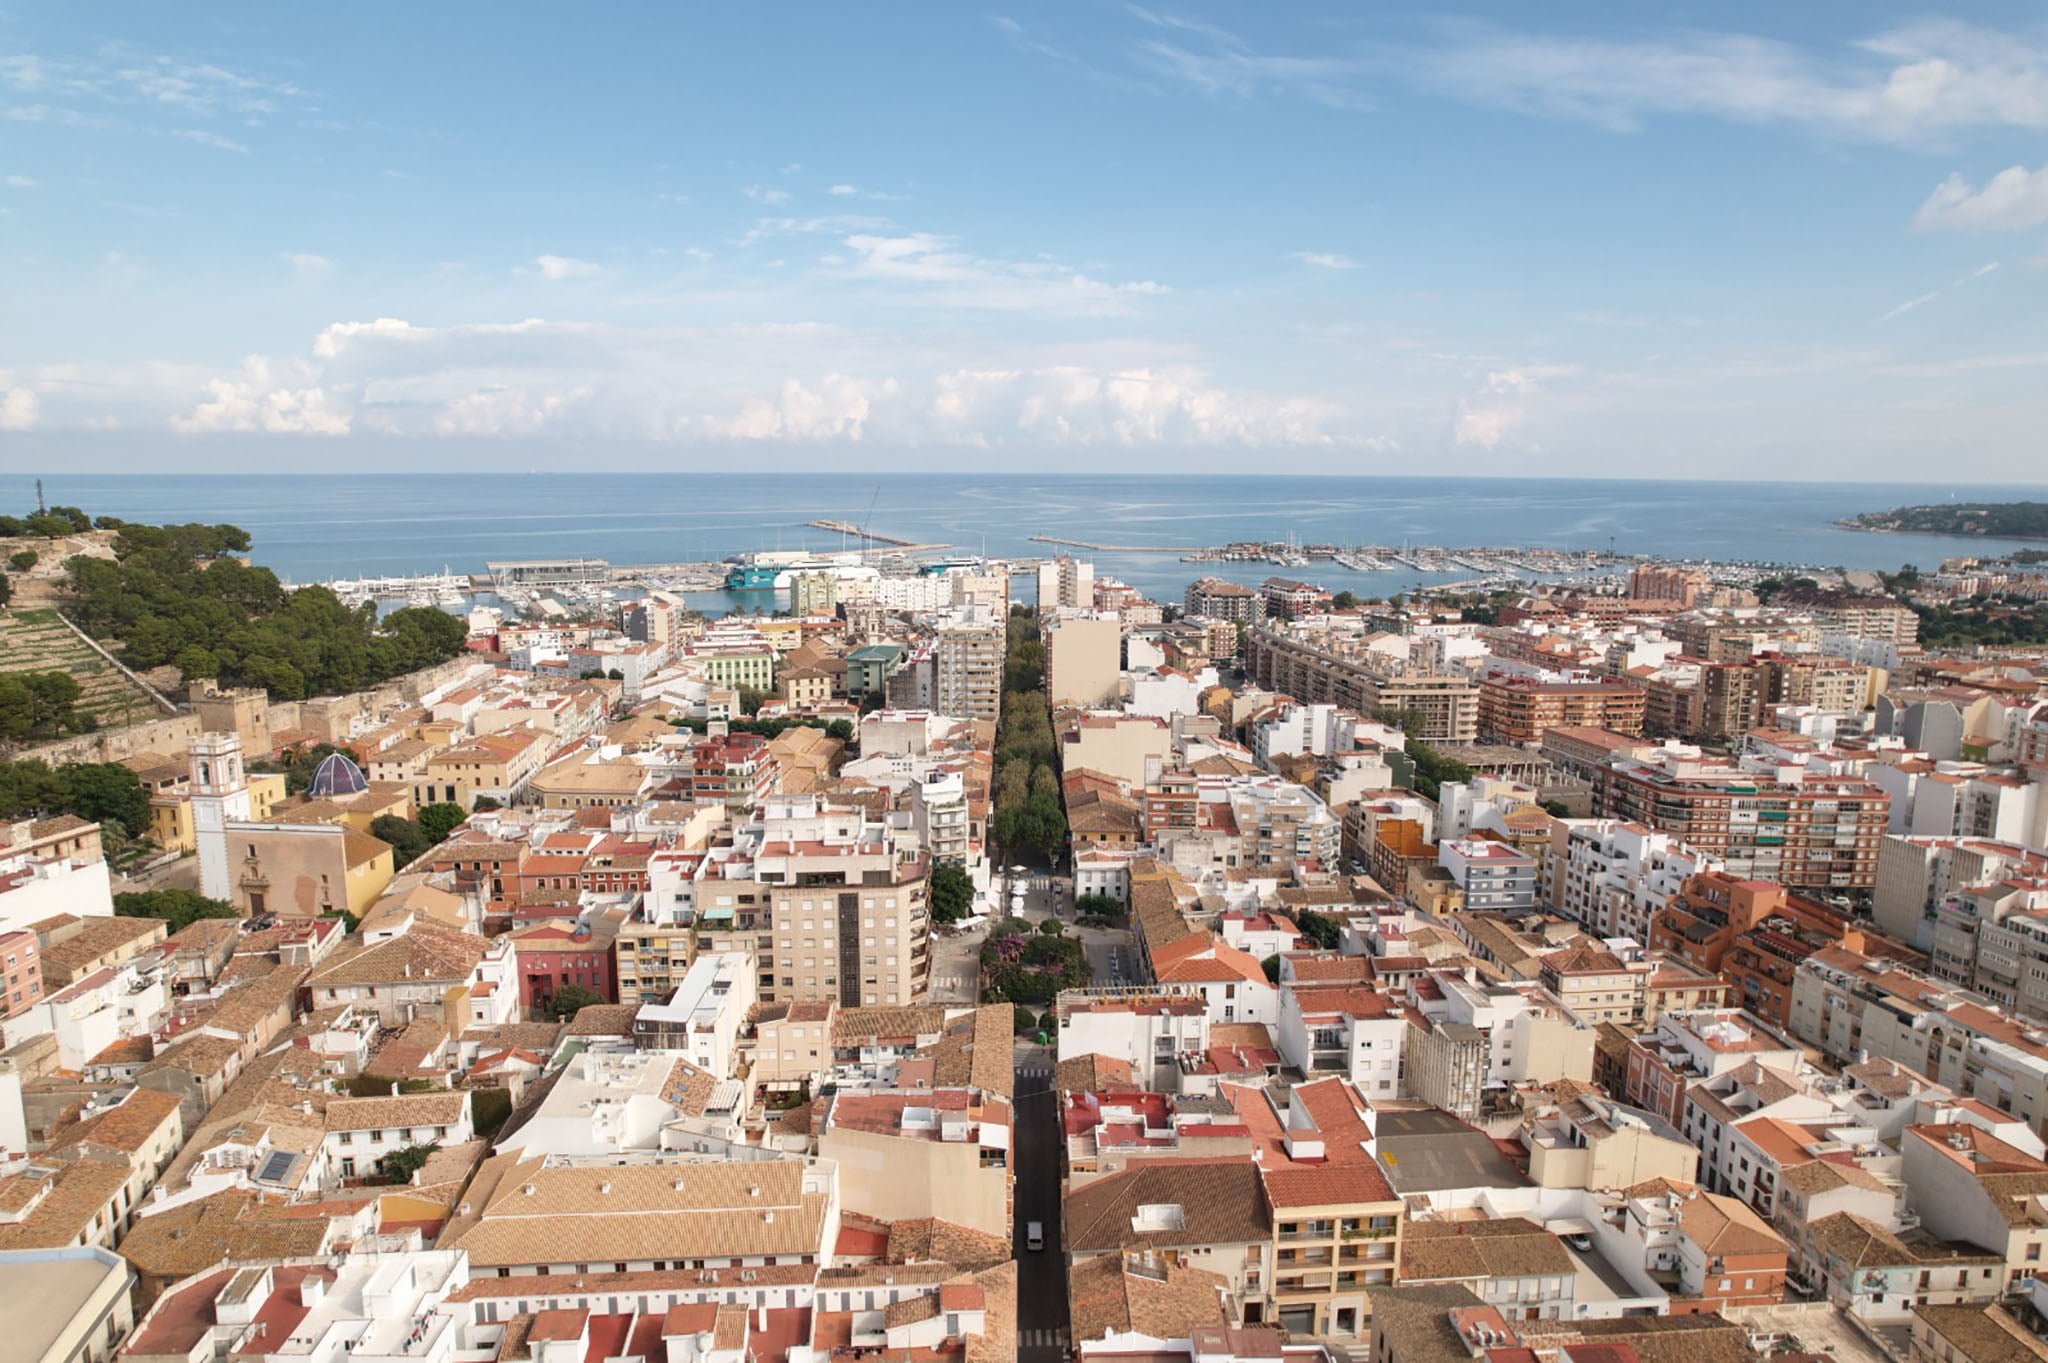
<point>336,775</point>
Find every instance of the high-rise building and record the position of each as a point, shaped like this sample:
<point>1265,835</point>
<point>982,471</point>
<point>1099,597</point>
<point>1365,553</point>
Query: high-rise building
<point>1066,581</point>
<point>1214,599</point>
<point>967,664</point>
<point>1318,668</point>
<point>1519,709</point>
<point>1806,831</point>
<point>823,899</point>
<point>1083,659</point>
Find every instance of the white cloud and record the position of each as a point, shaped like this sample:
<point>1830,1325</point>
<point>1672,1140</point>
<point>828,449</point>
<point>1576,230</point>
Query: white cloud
<point>1903,84</point>
<point>2012,200</point>
<point>765,228</point>
<point>800,384</point>
<point>308,266</point>
<point>763,194</point>
<point>172,82</point>
<point>855,191</point>
<point>18,407</point>
<point>837,408</point>
<point>1217,62</point>
<point>1906,83</point>
<point>1502,405</point>
<point>792,168</point>
<point>1074,405</point>
<point>22,182</point>
<point>259,399</point>
<point>1325,260</point>
<point>204,138</point>
<point>564,267</point>
<point>957,279</point>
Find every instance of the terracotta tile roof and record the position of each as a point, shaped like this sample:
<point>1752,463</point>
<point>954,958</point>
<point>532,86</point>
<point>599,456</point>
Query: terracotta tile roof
<point>930,1240</point>
<point>598,1213</point>
<point>425,953</point>
<point>1329,1185</point>
<point>97,937</point>
<point>976,1051</point>
<point>1221,1202</point>
<point>128,1127</point>
<point>1510,1248</point>
<point>1092,1073</point>
<point>1723,1225</point>
<point>232,1226</point>
<point>1982,1333</point>
<point>853,1027</point>
<point>1110,1295</point>
<point>1860,1243</point>
<point>60,1205</point>
<point>399,1110</point>
<point>603,1019</point>
<point>1819,1176</point>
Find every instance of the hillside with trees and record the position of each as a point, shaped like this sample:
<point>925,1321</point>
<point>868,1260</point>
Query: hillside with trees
<point>182,596</point>
<point>1994,520</point>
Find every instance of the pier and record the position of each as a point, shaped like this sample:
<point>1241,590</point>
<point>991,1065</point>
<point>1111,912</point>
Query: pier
<point>874,536</point>
<point>1119,548</point>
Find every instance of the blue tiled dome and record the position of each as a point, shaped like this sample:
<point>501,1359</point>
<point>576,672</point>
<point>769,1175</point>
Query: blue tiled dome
<point>336,775</point>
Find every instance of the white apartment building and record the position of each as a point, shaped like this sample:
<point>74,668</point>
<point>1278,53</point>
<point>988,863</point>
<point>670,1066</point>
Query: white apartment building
<point>938,810</point>
<point>702,1019</point>
<point>1343,1029</point>
<point>1614,875</point>
<point>1147,1028</point>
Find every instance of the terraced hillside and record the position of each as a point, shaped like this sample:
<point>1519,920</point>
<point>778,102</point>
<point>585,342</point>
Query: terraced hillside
<point>37,641</point>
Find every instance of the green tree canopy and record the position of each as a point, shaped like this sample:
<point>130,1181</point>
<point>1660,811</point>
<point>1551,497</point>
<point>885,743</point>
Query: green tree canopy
<point>952,893</point>
<point>179,908</point>
<point>570,1000</point>
<point>437,821</point>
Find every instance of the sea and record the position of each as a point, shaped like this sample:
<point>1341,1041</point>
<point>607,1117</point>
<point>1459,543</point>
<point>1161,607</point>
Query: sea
<point>314,527</point>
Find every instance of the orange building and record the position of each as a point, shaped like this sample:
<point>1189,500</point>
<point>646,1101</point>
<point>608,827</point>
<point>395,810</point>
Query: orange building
<point>1514,709</point>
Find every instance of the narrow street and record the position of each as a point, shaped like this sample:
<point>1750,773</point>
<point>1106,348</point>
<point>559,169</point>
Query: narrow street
<point>1041,1276</point>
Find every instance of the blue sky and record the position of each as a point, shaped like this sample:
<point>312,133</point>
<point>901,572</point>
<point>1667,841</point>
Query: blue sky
<point>1760,240</point>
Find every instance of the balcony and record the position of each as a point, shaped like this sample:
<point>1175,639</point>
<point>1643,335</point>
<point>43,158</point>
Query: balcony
<point>1310,1258</point>
<point>1308,1230</point>
<point>1369,1232</point>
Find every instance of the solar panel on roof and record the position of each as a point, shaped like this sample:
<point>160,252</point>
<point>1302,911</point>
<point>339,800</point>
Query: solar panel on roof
<point>276,1166</point>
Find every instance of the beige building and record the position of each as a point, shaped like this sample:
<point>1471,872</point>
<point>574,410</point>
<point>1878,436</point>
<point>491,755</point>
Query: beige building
<point>1318,667</point>
<point>494,766</point>
<point>300,870</point>
<point>586,781</point>
<point>792,1043</point>
<point>571,1216</point>
<point>824,903</point>
<point>64,1305</point>
<point>1128,748</point>
<point>1083,659</point>
<point>906,1156</point>
<point>170,808</point>
<point>652,958</point>
<point>1590,1141</point>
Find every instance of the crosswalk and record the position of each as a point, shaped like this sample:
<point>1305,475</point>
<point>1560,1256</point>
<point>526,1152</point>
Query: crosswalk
<point>1044,1337</point>
<point>1034,1071</point>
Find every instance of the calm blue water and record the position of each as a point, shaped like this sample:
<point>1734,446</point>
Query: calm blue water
<point>309,527</point>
